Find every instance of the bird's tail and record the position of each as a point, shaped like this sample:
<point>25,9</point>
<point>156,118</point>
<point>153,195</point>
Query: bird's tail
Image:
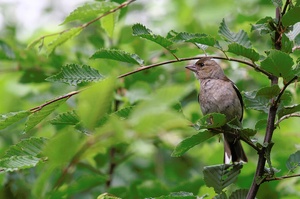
<point>233,150</point>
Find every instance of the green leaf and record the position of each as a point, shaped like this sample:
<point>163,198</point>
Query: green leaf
<point>243,51</point>
<point>15,163</point>
<point>68,118</point>
<point>260,99</point>
<point>291,17</point>
<point>108,23</point>
<point>221,176</point>
<point>11,118</point>
<point>107,196</point>
<point>62,38</point>
<point>240,38</point>
<point>41,114</point>
<point>81,184</point>
<point>195,38</point>
<point>6,52</point>
<point>293,161</point>
<point>239,194</point>
<point>287,44</point>
<point>118,55</point>
<point>27,147</point>
<point>143,32</point>
<point>263,26</point>
<point>288,110</point>
<point>74,74</point>
<point>212,120</point>
<point>222,195</point>
<point>279,64</point>
<point>261,124</point>
<point>190,142</point>
<point>89,11</point>
<point>95,102</point>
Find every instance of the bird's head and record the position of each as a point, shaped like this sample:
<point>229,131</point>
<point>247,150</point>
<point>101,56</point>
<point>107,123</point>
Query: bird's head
<point>206,68</point>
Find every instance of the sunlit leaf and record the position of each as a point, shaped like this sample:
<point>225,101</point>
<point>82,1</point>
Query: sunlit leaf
<point>240,38</point>
<point>95,102</point>
<point>279,64</point>
<point>117,55</point>
<point>27,147</point>
<point>62,38</point>
<point>68,118</point>
<point>108,23</point>
<point>179,195</point>
<point>221,176</point>
<point>41,114</point>
<point>74,74</point>
<point>11,118</point>
<point>15,163</point>
<point>192,141</point>
<point>89,11</point>
<point>293,161</point>
<point>291,17</point>
<point>243,51</point>
<point>141,31</point>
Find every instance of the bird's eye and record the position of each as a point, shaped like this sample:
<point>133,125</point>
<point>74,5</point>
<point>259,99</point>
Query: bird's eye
<point>201,64</point>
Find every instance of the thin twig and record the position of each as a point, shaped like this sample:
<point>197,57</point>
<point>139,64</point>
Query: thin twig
<point>126,3</point>
<point>38,108</point>
<point>287,116</point>
<point>193,58</point>
<point>283,89</point>
<point>281,178</point>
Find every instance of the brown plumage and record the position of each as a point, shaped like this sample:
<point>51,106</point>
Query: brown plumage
<point>218,94</point>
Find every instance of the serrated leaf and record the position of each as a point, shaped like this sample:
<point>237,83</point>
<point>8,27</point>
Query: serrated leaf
<point>6,52</point>
<point>240,38</point>
<point>279,64</point>
<point>190,142</point>
<point>15,163</point>
<point>195,38</point>
<point>294,33</point>
<point>68,118</point>
<point>62,38</point>
<point>118,55</point>
<point>179,195</point>
<point>239,194</point>
<point>221,176</point>
<point>11,118</point>
<point>243,51</point>
<point>212,120</point>
<point>291,17</point>
<point>288,110</point>
<point>293,161</point>
<point>107,196</point>
<point>287,45</point>
<point>143,32</point>
<point>121,114</point>
<point>260,99</point>
<point>41,114</point>
<point>89,11</point>
<point>27,147</point>
<point>108,23</point>
<point>74,74</point>
<point>263,26</point>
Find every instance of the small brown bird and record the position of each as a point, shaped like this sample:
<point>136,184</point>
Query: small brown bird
<point>218,94</point>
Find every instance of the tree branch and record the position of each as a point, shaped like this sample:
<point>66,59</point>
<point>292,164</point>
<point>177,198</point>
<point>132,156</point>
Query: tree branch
<point>193,58</point>
<point>281,178</point>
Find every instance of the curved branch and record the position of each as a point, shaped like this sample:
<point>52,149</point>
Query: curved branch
<point>287,116</point>
<point>281,178</point>
<point>283,89</point>
<point>193,58</point>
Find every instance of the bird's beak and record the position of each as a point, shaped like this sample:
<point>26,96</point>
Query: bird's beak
<point>191,67</point>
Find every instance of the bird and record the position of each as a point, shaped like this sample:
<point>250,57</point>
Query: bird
<point>218,94</point>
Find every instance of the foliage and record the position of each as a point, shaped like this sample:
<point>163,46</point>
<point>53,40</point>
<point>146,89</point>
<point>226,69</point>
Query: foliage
<point>127,123</point>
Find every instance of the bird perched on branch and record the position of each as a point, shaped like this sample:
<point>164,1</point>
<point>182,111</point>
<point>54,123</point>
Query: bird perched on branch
<point>218,94</point>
